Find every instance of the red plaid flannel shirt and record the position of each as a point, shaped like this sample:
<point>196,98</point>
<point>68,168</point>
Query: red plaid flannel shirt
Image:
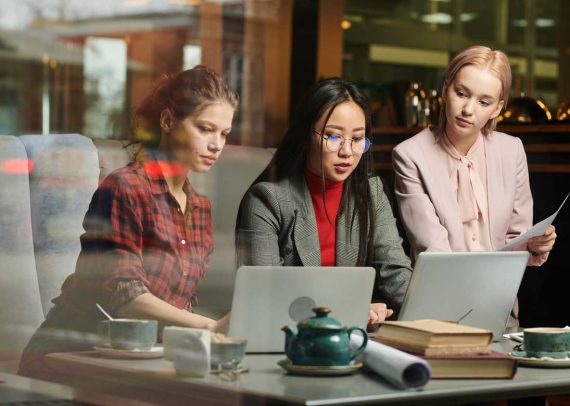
<point>138,240</point>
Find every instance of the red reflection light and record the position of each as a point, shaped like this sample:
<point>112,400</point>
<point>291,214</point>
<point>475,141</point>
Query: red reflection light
<point>18,166</point>
<point>155,168</point>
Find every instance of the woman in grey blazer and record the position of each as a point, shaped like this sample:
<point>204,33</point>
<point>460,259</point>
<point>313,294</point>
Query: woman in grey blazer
<point>317,202</point>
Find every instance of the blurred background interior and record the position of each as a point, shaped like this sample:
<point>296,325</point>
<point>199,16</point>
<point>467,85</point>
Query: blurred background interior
<point>71,66</point>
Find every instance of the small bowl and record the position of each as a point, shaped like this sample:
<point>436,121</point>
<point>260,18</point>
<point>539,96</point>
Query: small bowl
<point>229,352</point>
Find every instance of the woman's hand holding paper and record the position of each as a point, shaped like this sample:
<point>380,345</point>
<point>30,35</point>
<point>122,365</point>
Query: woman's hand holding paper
<point>542,244</point>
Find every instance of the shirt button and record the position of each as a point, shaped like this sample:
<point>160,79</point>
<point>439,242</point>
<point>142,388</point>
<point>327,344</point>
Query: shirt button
<point>183,242</point>
<point>474,238</point>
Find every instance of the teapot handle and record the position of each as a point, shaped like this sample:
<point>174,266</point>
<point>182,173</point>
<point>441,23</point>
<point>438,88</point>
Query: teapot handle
<point>360,349</point>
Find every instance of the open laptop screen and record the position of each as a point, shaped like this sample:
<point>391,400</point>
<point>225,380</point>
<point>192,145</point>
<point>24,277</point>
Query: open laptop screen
<point>266,298</point>
<point>481,285</point>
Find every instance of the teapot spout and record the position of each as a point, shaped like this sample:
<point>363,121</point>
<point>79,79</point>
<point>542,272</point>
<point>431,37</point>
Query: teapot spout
<point>290,339</point>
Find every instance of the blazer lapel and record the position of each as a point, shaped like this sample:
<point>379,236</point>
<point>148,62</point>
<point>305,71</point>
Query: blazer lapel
<point>443,196</point>
<point>347,242</point>
<point>305,234</point>
<point>494,188</point>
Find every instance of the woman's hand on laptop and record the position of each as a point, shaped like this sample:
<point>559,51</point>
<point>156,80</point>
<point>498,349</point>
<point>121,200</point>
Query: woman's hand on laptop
<point>222,325</point>
<point>377,312</point>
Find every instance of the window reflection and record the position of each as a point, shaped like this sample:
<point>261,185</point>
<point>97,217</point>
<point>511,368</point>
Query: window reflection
<point>105,70</point>
<point>192,56</point>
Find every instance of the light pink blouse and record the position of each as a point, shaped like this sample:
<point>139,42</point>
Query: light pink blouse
<point>468,175</point>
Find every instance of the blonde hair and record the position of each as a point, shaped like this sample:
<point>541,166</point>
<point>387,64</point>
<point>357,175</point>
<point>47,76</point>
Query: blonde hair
<point>482,57</point>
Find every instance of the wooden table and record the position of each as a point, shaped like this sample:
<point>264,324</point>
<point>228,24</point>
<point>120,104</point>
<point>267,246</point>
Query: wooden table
<point>106,381</point>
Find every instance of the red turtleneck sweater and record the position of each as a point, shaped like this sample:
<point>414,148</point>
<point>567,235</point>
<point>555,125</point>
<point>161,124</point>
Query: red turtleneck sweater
<point>326,228</point>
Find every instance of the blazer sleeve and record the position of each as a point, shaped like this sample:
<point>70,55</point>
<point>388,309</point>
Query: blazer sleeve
<point>421,222</point>
<point>521,216</point>
<point>257,231</point>
<point>393,267</point>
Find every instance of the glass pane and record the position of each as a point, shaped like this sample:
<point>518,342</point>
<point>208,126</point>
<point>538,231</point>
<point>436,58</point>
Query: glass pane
<point>192,56</point>
<point>105,71</point>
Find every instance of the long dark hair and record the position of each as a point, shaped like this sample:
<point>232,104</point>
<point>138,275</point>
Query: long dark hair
<point>290,159</point>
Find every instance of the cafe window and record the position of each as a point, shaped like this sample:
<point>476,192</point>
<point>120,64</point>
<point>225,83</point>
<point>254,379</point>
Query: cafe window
<point>192,56</point>
<point>105,73</point>
<point>72,66</point>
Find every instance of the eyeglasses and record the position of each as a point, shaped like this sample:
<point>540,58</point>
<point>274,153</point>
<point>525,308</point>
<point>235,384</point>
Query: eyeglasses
<point>334,142</point>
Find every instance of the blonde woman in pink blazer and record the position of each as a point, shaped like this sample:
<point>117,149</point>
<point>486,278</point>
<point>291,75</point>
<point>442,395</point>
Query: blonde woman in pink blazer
<point>460,185</point>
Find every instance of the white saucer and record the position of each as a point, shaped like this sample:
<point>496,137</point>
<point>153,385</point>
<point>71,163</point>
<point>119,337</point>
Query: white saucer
<point>523,360</point>
<point>318,369</point>
<point>154,352</point>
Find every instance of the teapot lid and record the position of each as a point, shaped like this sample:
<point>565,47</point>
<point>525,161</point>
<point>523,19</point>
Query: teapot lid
<point>321,320</point>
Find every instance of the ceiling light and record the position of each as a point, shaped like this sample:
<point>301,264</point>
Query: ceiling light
<point>539,22</point>
<point>444,18</point>
<point>466,17</point>
<point>437,18</point>
<point>544,22</point>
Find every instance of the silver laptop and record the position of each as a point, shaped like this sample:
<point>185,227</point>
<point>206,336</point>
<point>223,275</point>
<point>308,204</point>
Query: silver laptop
<point>266,298</point>
<point>482,286</point>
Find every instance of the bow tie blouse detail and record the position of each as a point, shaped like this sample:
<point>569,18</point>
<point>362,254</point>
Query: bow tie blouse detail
<point>468,176</point>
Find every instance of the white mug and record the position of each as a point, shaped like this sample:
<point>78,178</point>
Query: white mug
<point>189,350</point>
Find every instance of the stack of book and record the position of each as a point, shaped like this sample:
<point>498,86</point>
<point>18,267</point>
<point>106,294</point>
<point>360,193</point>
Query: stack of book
<point>453,350</point>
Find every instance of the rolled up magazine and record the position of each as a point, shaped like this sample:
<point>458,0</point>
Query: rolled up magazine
<point>397,367</point>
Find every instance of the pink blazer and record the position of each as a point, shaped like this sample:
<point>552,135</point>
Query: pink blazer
<point>428,204</point>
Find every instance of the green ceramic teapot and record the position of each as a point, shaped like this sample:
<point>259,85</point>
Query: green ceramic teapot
<point>321,340</point>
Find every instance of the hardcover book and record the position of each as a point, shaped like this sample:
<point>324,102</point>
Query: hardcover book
<point>435,337</point>
<point>494,365</point>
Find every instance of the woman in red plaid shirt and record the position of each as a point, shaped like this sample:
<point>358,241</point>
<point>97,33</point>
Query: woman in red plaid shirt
<point>148,233</point>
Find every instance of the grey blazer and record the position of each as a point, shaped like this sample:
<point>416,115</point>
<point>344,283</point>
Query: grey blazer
<point>277,226</point>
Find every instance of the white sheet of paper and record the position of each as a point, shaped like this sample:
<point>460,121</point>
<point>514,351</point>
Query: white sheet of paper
<point>536,230</point>
<point>401,369</point>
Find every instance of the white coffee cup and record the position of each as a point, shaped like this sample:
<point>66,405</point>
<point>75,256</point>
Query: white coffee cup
<point>189,350</point>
